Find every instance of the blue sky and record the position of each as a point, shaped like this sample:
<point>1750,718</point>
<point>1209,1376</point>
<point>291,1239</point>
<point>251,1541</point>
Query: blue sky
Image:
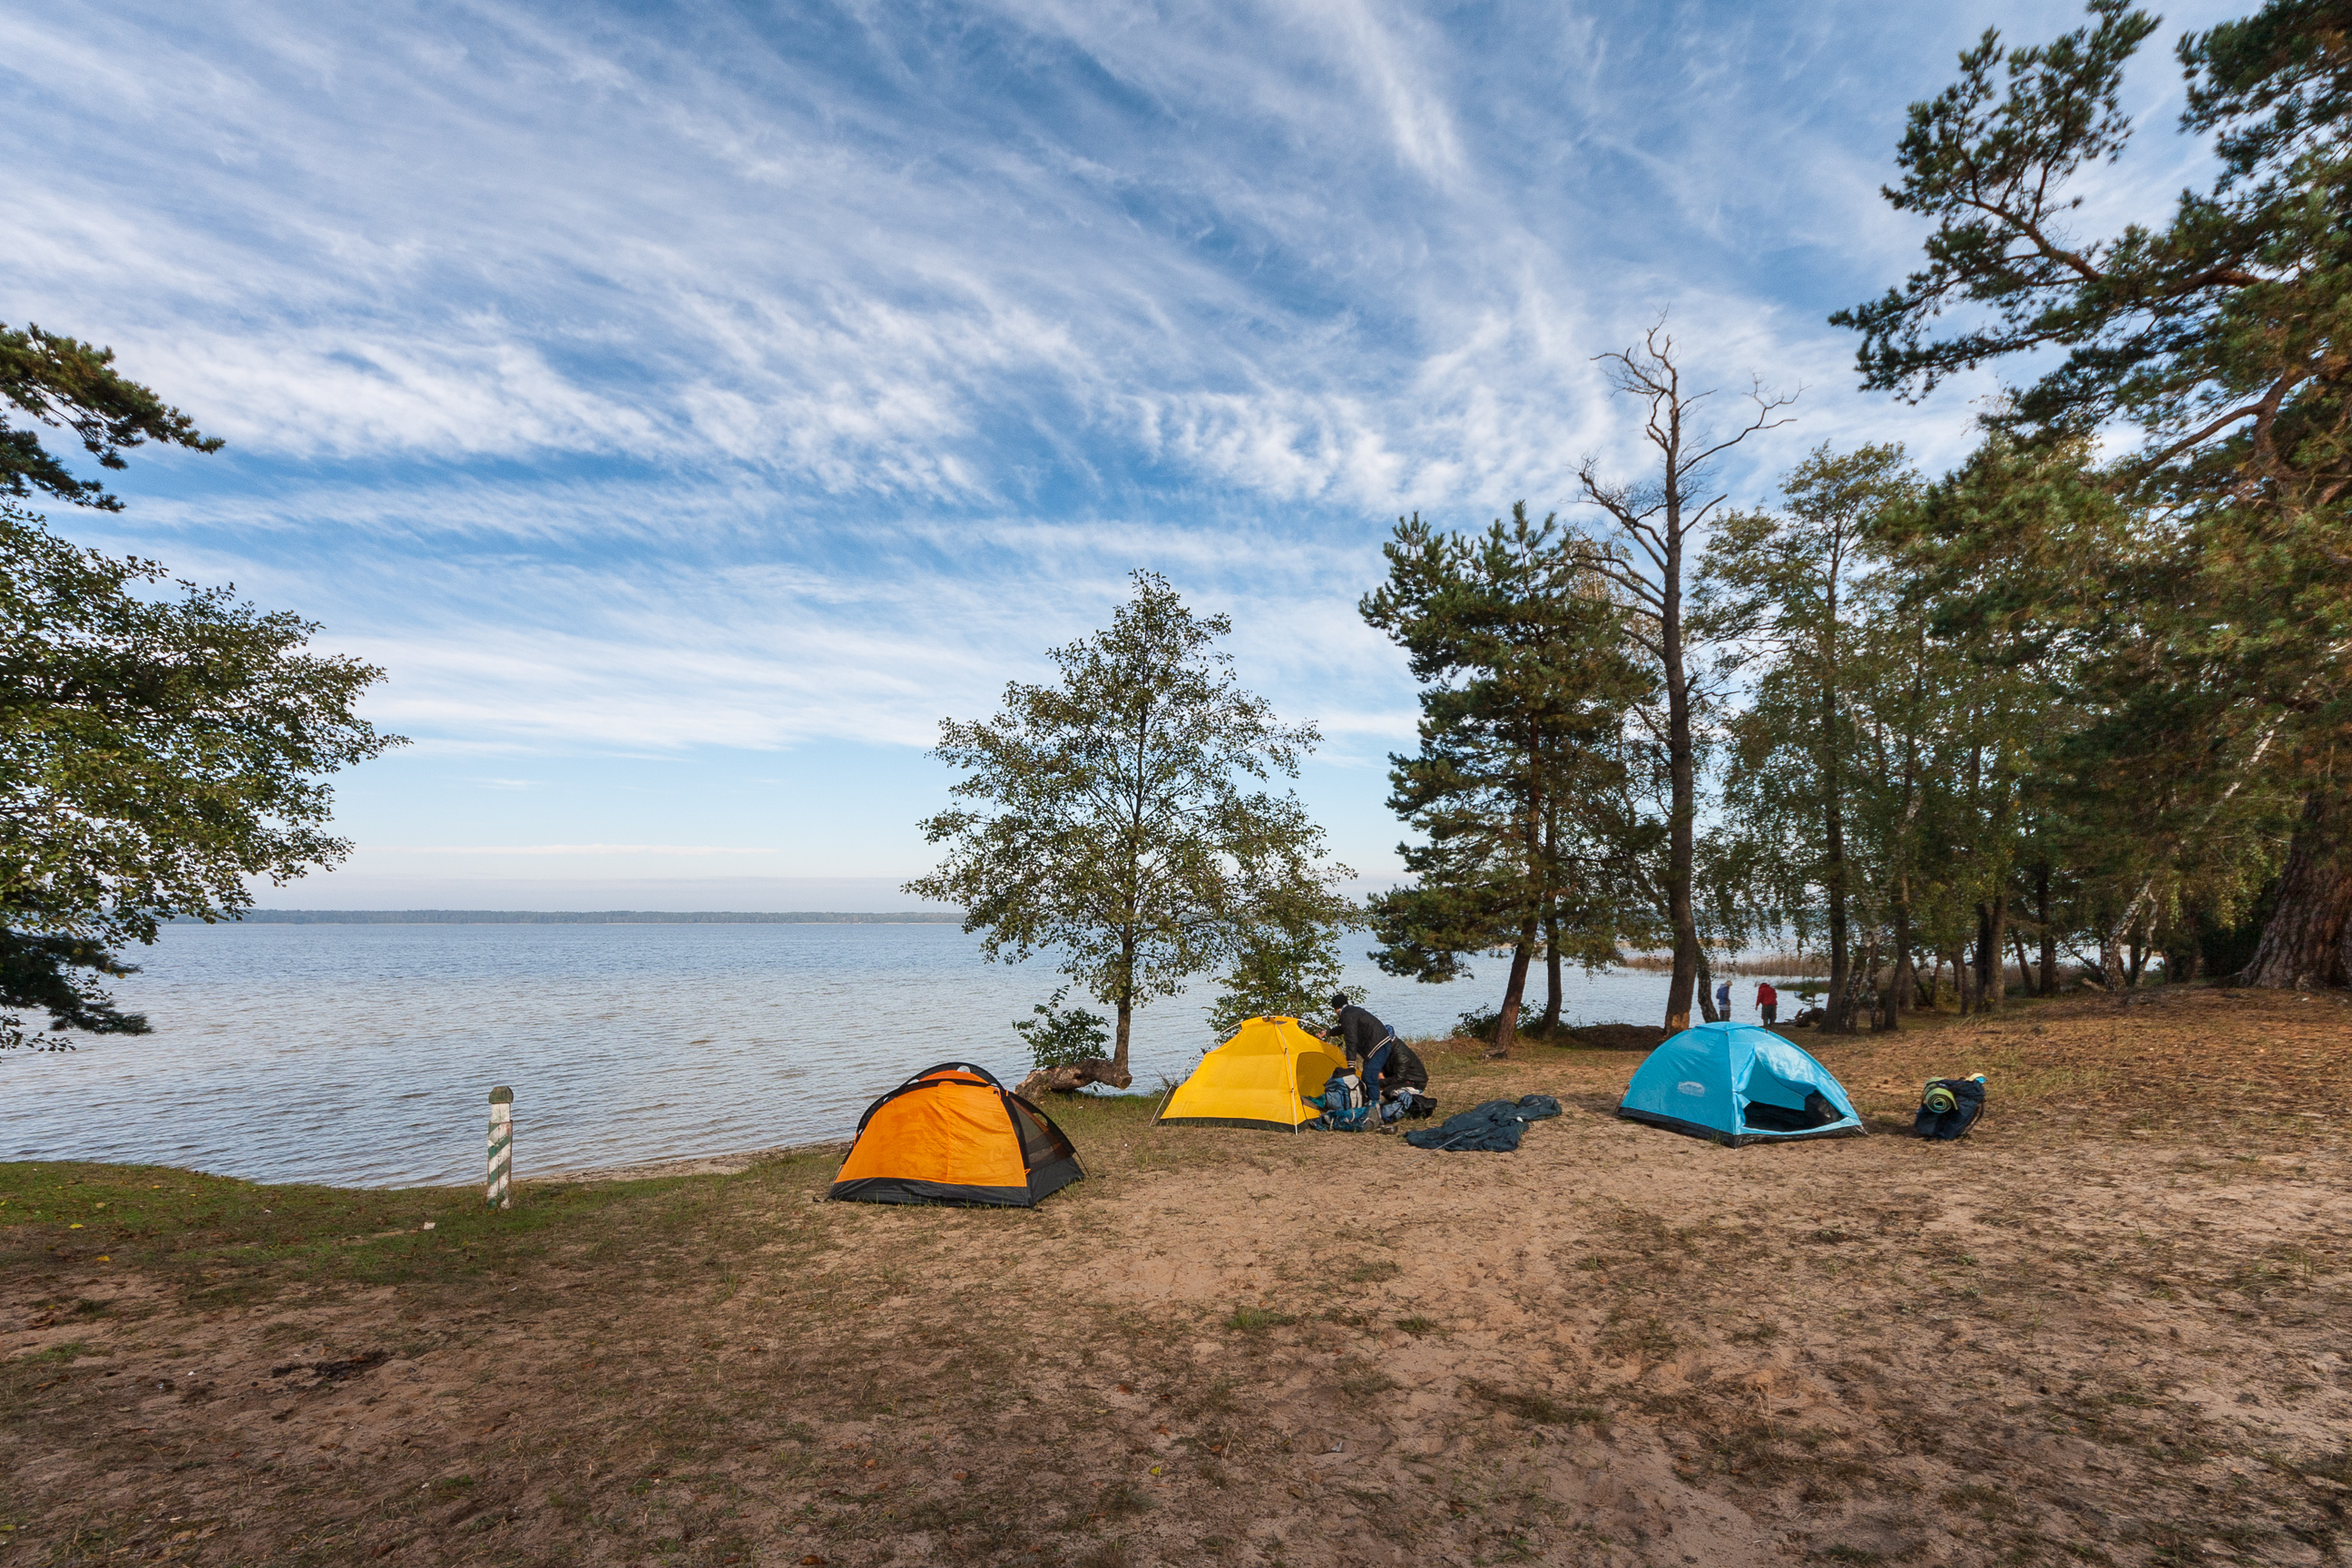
<point>688,405</point>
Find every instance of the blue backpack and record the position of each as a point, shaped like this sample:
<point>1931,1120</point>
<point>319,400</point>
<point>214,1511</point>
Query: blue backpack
<point>1342,1100</point>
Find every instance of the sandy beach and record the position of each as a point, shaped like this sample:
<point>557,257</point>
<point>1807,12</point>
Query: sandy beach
<point>2108,1327</point>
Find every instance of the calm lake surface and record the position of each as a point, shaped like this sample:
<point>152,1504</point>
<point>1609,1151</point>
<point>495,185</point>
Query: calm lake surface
<point>365,1054</point>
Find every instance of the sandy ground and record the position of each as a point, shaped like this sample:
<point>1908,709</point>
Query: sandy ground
<point>2112,1326</point>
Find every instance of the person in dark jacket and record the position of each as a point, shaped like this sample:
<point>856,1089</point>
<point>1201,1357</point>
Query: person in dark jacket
<point>1391,1067</point>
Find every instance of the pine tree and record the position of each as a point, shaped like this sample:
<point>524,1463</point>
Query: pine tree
<point>1517,785</point>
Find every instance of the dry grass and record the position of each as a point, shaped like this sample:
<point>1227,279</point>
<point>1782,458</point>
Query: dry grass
<point>2106,1328</point>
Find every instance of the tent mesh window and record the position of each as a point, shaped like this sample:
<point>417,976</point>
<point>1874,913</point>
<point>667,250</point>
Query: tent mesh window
<point>1038,1146</point>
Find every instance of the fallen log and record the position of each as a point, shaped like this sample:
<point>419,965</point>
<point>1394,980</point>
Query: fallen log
<point>1071,1079</point>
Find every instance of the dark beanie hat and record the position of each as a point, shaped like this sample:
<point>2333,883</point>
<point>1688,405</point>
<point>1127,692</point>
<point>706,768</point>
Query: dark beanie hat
<point>1339,998</point>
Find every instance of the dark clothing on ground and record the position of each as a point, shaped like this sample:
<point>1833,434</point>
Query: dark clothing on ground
<point>1362,1031</point>
<point>1402,1069</point>
<point>1494,1128</point>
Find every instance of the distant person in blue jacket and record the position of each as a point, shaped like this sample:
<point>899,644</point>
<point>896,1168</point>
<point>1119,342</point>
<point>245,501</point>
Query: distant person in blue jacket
<point>1723,1000</point>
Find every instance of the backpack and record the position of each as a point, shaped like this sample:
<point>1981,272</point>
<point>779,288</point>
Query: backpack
<point>1949,1107</point>
<point>1343,1100</point>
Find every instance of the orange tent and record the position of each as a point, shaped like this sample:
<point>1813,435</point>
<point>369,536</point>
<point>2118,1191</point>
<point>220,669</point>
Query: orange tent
<point>953,1134</point>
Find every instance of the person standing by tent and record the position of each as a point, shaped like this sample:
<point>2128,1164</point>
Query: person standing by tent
<point>1387,1063</point>
<point>1723,1000</point>
<point>1768,1003</point>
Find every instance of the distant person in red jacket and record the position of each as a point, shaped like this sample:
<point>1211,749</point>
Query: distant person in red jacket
<point>1767,1002</point>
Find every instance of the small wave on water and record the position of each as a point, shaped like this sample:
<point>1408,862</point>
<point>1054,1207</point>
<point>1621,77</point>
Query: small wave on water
<point>364,1055</point>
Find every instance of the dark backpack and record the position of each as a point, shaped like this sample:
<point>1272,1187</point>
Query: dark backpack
<point>1949,1107</point>
<point>1342,1102</point>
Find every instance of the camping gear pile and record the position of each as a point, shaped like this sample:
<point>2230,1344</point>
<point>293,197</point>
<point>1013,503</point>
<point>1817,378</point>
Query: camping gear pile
<point>1494,1128</point>
<point>1739,1084</point>
<point>1949,1107</point>
<point>953,1134</point>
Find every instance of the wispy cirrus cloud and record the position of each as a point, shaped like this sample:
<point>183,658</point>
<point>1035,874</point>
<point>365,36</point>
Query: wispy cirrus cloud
<point>636,382</point>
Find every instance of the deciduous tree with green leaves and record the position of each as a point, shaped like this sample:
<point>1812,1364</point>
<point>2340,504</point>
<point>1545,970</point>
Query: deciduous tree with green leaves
<point>1111,819</point>
<point>159,745</point>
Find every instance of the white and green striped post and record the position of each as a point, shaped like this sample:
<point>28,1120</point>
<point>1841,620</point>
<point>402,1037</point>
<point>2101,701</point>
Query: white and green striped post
<point>501,1195</point>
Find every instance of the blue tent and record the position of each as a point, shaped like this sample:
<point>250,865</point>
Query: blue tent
<point>1739,1084</point>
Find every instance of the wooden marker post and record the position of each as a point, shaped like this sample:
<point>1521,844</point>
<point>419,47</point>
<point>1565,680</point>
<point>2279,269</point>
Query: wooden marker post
<point>501,1195</point>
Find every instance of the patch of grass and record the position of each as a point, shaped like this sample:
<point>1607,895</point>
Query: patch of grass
<point>1541,1408</point>
<point>1417,1327</point>
<point>1363,1384</point>
<point>72,1350</point>
<point>1373,1271</point>
<point>1639,1336</point>
<point>1756,1335</point>
<point>233,1240</point>
<point>1257,1320</point>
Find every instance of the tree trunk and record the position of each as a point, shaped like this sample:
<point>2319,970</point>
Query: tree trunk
<point>2113,976</point>
<point>2024,968</point>
<point>1997,938</point>
<point>1506,1025</point>
<point>1838,1017</point>
<point>1906,976</point>
<point>2049,931</point>
<point>1070,1079</point>
<point>1551,977</point>
<point>1706,989</point>
<point>1964,976</point>
<point>2307,941</point>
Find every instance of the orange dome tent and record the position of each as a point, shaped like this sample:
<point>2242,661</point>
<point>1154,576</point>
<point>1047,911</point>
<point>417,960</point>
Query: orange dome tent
<point>953,1134</point>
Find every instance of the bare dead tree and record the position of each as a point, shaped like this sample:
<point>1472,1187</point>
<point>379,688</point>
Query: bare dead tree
<point>1647,553</point>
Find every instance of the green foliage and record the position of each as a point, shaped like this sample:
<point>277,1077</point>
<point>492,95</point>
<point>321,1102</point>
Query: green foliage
<point>1110,817</point>
<point>155,753</point>
<point>1521,787</point>
<point>1281,970</point>
<point>67,384</point>
<point>1062,1038</point>
<point>2205,639</point>
<point>1824,775</point>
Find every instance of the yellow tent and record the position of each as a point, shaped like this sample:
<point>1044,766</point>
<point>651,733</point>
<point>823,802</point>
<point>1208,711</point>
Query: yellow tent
<point>1260,1078</point>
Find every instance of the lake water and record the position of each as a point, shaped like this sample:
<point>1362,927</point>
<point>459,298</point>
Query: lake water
<point>365,1054</point>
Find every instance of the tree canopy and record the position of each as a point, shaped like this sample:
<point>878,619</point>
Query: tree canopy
<point>1112,822</point>
<point>69,385</point>
<point>157,750</point>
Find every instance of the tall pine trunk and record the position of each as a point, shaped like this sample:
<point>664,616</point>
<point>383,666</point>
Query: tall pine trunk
<point>1551,977</point>
<point>2049,930</point>
<point>2307,941</point>
<point>1682,811</point>
<point>1839,1018</point>
<point>1996,937</point>
<point>1507,1026</point>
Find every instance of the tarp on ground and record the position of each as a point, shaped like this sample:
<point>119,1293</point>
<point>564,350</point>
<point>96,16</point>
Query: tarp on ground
<point>1739,1084</point>
<point>1262,1077</point>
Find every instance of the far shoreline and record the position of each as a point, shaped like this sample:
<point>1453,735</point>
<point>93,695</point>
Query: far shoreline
<point>580,917</point>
